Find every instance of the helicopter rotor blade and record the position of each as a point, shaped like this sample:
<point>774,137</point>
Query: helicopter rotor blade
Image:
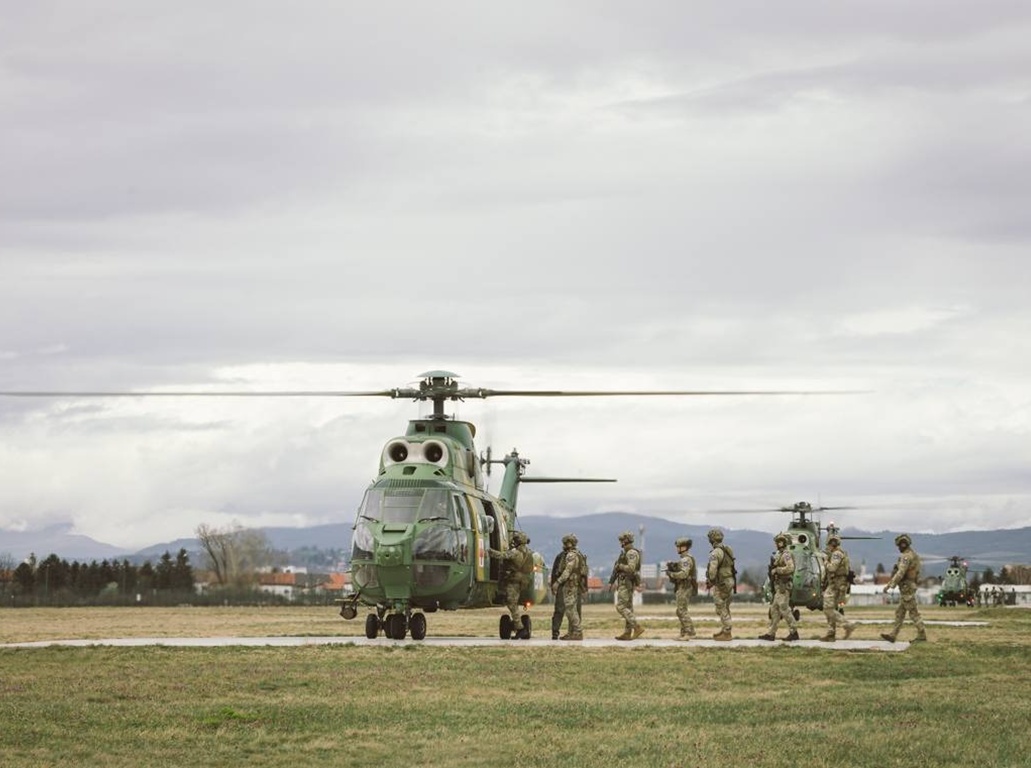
<point>394,393</point>
<point>567,480</point>
<point>484,393</point>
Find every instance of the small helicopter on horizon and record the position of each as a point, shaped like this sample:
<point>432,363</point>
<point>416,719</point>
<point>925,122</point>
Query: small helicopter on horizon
<point>804,532</point>
<point>955,589</point>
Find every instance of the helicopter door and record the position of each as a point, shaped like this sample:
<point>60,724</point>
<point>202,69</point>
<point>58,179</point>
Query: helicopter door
<point>465,525</point>
<point>496,528</point>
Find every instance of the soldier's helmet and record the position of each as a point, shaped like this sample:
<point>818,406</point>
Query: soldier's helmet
<point>834,540</point>
<point>715,535</point>
<point>626,537</point>
<point>569,541</point>
<point>518,538</point>
<point>683,542</point>
<point>782,537</point>
<point>903,538</point>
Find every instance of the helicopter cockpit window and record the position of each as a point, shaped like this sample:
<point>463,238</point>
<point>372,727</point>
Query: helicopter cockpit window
<point>406,505</point>
<point>362,543</point>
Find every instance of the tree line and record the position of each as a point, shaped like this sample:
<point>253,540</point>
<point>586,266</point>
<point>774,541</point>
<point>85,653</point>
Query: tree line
<point>55,581</point>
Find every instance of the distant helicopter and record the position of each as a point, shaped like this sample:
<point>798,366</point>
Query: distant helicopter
<point>424,525</point>
<point>804,532</point>
<point>955,589</point>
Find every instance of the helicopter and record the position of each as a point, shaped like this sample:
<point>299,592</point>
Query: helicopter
<point>804,533</point>
<point>423,530</point>
<point>955,589</point>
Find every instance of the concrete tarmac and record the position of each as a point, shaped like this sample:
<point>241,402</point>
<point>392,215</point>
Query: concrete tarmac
<point>463,642</point>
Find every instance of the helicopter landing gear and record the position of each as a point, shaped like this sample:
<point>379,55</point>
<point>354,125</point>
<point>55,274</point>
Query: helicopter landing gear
<point>796,613</point>
<point>417,626</point>
<point>371,626</point>
<point>505,627</point>
<point>396,626</point>
<point>524,633</point>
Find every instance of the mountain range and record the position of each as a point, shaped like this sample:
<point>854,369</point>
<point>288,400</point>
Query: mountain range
<point>597,536</point>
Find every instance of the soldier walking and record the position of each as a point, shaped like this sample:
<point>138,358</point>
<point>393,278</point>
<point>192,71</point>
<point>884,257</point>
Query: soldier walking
<point>782,569</point>
<point>569,583</point>
<point>906,577</point>
<point>685,580</point>
<point>626,575</point>
<point>721,578</point>
<point>514,576</point>
<point>835,589</point>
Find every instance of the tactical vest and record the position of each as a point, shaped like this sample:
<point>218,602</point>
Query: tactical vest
<point>912,573</point>
<point>781,578</point>
<point>726,569</point>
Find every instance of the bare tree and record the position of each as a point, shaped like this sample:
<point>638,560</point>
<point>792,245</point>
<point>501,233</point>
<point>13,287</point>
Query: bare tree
<point>234,553</point>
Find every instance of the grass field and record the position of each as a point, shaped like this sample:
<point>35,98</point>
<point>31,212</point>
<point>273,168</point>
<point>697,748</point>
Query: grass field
<point>963,699</point>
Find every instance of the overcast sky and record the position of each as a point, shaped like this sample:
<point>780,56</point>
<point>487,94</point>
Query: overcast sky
<point>324,195</point>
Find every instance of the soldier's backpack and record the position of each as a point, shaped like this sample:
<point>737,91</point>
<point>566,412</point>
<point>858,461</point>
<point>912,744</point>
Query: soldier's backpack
<point>583,571</point>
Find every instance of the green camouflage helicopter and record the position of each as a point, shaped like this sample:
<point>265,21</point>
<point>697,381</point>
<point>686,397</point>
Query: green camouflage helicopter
<point>955,589</point>
<point>804,532</point>
<point>424,527</point>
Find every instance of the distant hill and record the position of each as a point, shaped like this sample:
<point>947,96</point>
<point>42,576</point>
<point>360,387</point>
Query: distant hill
<point>597,535</point>
<point>57,540</point>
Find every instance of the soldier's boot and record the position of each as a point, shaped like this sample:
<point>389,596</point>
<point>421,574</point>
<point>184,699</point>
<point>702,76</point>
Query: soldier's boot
<point>828,638</point>
<point>638,631</point>
<point>792,636</point>
<point>573,636</point>
<point>554,635</point>
<point>768,636</point>
<point>920,638</point>
<point>889,638</point>
<point>723,634</point>
<point>625,636</point>
<point>685,637</point>
<point>849,630</point>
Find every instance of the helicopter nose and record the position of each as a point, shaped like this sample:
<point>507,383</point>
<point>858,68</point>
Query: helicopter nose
<point>390,555</point>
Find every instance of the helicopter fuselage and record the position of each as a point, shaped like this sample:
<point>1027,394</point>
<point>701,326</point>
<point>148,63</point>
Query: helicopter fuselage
<point>425,526</point>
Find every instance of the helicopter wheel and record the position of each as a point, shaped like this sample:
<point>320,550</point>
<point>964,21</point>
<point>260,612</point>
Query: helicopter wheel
<point>371,626</point>
<point>525,632</point>
<point>505,627</point>
<point>417,626</point>
<point>396,626</point>
<point>797,614</point>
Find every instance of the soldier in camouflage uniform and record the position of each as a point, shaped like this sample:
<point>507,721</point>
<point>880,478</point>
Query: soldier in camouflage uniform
<point>721,578</point>
<point>782,569</point>
<point>835,590</point>
<point>513,578</point>
<point>906,576</point>
<point>569,583</point>
<point>685,580</point>
<point>626,575</point>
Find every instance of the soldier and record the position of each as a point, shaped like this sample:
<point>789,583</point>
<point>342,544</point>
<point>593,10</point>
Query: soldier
<point>906,577</point>
<point>559,612</point>
<point>626,575</point>
<point>835,589</point>
<point>721,578</point>
<point>685,579</point>
<point>782,569</point>
<point>568,584</point>
<point>514,578</point>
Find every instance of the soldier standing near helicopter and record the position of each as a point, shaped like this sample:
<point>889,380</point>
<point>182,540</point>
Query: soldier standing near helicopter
<point>835,589</point>
<point>721,578</point>
<point>782,569</point>
<point>626,575</point>
<point>568,584</point>
<point>514,574</point>
<point>685,579</point>
<point>906,576</point>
